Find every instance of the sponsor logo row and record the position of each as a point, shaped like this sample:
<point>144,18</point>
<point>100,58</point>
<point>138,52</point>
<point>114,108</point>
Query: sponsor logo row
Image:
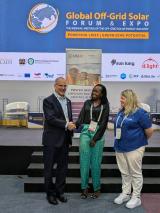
<point>32,61</point>
<point>38,75</point>
<point>24,61</point>
<point>35,75</point>
<point>148,64</point>
<point>124,76</point>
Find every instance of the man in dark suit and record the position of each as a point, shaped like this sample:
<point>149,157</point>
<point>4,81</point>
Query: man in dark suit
<point>57,136</point>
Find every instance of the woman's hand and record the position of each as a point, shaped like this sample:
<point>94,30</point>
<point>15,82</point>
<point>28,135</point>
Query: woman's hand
<point>92,143</point>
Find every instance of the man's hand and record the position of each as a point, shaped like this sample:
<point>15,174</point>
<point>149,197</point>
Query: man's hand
<point>92,143</point>
<point>71,126</point>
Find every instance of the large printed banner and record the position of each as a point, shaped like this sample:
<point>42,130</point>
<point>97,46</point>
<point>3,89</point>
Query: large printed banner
<point>83,72</point>
<point>51,26</point>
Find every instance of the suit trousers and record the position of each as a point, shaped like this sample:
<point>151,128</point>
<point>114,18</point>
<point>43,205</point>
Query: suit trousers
<point>130,166</point>
<point>52,156</point>
<point>90,158</point>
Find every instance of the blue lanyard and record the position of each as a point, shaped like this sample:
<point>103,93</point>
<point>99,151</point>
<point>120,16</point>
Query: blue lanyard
<point>121,121</point>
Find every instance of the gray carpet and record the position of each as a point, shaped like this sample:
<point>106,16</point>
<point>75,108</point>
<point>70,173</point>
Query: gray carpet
<point>14,200</point>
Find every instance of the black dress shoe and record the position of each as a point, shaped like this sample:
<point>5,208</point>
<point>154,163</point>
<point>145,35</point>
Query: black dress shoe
<point>52,199</point>
<point>62,198</point>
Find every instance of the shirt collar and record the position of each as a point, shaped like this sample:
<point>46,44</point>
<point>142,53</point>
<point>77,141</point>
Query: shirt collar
<point>60,97</point>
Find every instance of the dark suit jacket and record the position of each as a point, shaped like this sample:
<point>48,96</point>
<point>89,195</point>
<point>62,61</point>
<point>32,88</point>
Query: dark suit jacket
<point>54,133</point>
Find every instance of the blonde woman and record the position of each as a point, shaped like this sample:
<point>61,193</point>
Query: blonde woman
<point>132,129</point>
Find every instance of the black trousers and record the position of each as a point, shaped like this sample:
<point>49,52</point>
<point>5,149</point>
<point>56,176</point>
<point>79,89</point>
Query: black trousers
<point>51,156</point>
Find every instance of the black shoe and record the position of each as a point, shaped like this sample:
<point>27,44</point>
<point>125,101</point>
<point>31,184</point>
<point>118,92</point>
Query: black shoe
<point>95,194</point>
<point>62,198</point>
<point>84,194</point>
<point>52,199</point>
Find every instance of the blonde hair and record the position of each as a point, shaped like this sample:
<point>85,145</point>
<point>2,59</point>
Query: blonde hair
<point>131,101</point>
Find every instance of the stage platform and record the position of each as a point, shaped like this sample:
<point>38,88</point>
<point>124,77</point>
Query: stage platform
<point>16,136</point>
<point>18,144</point>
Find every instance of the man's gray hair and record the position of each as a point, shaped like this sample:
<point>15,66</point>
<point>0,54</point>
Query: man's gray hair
<point>59,78</point>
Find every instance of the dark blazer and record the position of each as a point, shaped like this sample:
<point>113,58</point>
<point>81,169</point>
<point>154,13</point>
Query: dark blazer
<point>54,133</point>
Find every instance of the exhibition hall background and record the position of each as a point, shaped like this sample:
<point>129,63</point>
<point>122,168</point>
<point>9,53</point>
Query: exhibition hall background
<point>33,46</point>
<point>30,91</point>
<point>34,37</point>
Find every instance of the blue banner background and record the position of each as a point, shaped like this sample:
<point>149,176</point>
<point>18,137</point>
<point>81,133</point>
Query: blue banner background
<point>16,37</point>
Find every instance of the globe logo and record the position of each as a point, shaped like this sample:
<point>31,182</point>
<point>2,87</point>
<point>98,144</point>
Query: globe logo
<point>42,18</point>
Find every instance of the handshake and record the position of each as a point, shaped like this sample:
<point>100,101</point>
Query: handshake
<point>71,126</point>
